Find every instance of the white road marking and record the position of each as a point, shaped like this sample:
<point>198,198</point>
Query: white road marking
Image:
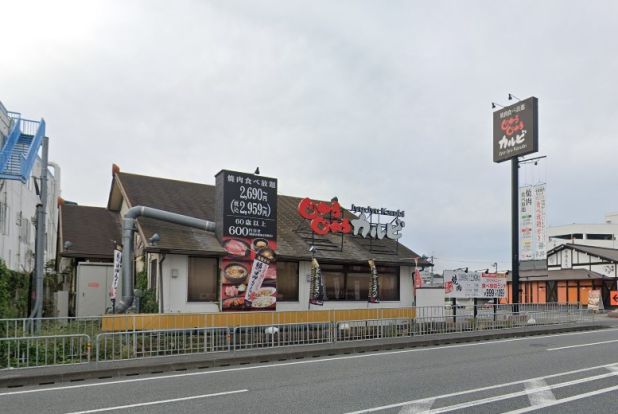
<point>124,407</point>
<point>499,397</point>
<point>517,394</point>
<point>582,345</point>
<point>417,408</point>
<point>309,361</point>
<point>565,400</point>
<point>539,392</point>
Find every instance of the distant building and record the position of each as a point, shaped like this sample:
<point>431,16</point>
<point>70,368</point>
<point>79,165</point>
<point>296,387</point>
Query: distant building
<point>597,235</point>
<point>18,201</point>
<point>580,258</point>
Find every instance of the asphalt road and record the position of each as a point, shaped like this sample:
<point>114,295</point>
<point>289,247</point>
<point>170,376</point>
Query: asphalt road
<point>566,373</point>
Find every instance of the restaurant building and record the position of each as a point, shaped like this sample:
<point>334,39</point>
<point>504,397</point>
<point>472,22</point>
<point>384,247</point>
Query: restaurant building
<point>194,270</point>
<point>573,270</point>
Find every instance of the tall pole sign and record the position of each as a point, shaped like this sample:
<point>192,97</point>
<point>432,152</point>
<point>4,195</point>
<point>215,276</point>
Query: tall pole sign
<point>515,134</point>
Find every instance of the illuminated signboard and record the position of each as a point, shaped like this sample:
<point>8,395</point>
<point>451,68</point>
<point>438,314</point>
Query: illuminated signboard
<point>515,131</point>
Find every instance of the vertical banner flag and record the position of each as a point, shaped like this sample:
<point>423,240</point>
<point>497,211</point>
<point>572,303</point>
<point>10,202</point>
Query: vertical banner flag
<point>532,229</point>
<point>374,283</point>
<point>113,292</point>
<point>540,219</point>
<point>256,278</point>
<point>418,280</point>
<point>316,293</point>
<point>526,208</point>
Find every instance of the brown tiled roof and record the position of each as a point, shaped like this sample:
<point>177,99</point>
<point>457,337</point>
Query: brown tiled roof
<point>91,231</point>
<point>562,274</point>
<point>602,252</point>
<point>197,200</point>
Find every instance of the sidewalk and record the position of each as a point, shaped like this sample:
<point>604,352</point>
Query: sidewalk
<point>11,378</point>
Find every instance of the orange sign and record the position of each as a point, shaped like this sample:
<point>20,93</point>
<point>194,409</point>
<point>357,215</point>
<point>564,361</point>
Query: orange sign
<point>613,297</point>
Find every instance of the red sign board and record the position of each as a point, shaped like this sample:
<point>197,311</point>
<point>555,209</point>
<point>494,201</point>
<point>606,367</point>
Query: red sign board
<point>613,298</point>
<point>325,217</point>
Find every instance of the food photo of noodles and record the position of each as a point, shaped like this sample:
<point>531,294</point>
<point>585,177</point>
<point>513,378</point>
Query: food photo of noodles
<point>235,273</point>
<point>263,301</point>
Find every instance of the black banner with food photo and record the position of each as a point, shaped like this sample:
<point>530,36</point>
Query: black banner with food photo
<point>246,207</point>
<point>248,272</point>
<point>374,283</point>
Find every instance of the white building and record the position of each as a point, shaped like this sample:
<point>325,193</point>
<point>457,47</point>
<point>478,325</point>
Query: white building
<point>18,203</point>
<point>596,235</point>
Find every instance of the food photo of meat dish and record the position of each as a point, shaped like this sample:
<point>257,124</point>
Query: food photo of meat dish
<point>233,303</point>
<point>236,247</point>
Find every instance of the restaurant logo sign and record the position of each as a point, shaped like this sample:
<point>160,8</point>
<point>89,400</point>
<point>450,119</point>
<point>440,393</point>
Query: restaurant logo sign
<point>515,131</point>
<point>327,217</point>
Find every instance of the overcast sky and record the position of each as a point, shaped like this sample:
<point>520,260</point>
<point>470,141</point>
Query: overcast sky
<point>381,103</point>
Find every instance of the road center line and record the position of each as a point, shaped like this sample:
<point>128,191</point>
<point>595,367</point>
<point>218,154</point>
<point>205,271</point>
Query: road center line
<point>311,361</point>
<point>582,345</point>
<point>124,407</point>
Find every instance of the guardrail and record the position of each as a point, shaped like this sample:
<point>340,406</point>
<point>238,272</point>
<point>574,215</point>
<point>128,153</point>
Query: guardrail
<point>113,346</point>
<point>17,328</point>
<point>80,340</point>
<point>37,351</point>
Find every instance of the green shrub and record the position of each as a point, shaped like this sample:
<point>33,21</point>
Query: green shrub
<point>148,301</point>
<point>13,293</point>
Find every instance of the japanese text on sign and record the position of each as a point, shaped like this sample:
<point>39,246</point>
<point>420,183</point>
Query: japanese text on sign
<point>463,285</point>
<point>249,206</point>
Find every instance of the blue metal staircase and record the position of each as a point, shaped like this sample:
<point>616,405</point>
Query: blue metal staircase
<point>20,149</point>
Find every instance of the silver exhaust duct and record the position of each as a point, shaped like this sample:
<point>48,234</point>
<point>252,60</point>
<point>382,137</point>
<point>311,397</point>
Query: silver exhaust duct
<point>128,229</point>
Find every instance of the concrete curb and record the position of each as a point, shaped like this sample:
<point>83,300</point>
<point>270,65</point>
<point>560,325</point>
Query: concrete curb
<point>157,365</point>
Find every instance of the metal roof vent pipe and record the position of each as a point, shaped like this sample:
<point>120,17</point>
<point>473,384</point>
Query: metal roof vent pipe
<point>128,230</point>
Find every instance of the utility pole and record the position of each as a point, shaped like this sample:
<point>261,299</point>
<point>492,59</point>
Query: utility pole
<point>39,243</point>
<point>515,231</point>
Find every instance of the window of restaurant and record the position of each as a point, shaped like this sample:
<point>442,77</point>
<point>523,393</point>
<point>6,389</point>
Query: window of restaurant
<point>202,283</point>
<point>287,281</point>
<point>351,282</point>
